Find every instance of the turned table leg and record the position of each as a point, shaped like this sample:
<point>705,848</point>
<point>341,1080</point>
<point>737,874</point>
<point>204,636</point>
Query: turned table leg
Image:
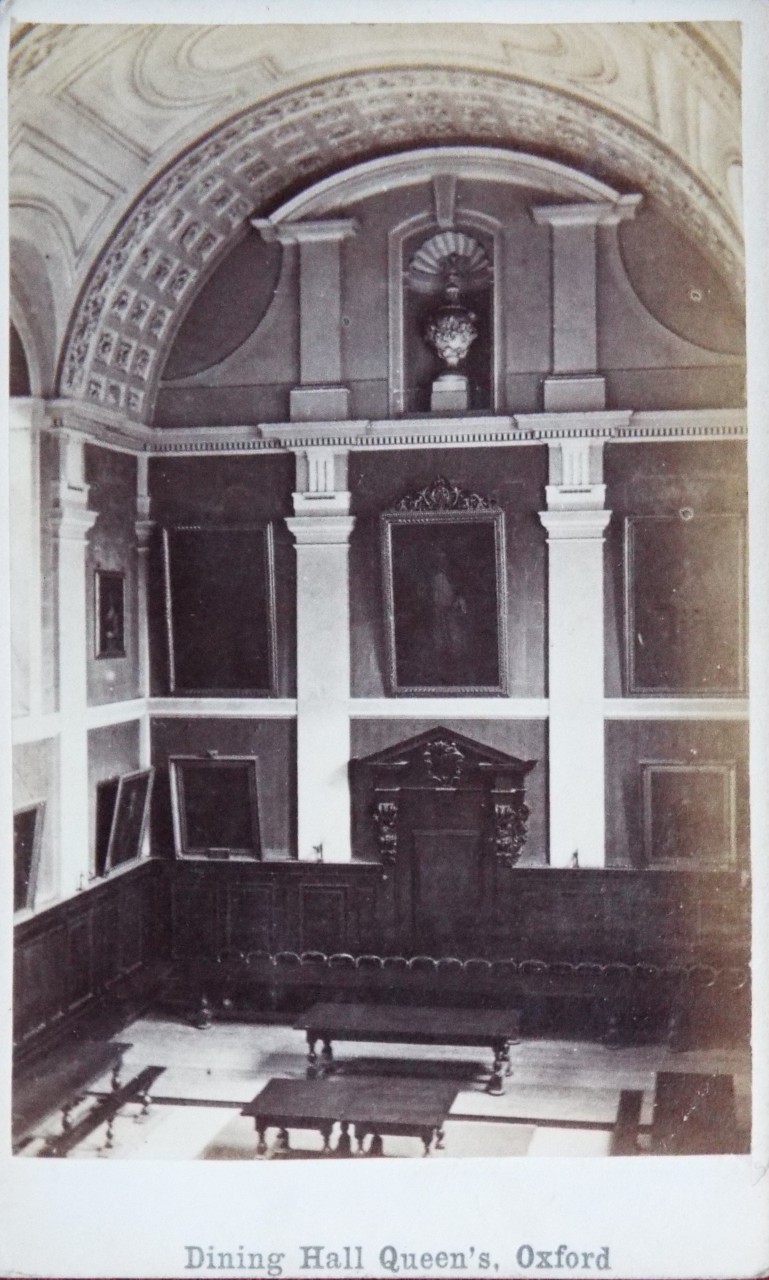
<point>261,1129</point>
<point>282,1144</point>
<point>327,1055</point>
<point>312,1057</point>
<point>440,1138</point>
<point>376,1146</point>
<point>344,1146</point>
<point>325,1131</point>
<point>496,1079</point>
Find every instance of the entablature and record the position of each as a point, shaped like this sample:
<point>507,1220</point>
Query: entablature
<point>111,430</point>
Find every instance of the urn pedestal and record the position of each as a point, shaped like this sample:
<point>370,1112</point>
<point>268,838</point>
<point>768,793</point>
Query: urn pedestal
<point>450,394</point>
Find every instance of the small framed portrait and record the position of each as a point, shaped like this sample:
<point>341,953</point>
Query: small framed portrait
<point>444,586</point>
<point>129,797</point>
<point>220,610</point>
<point>109,599</point>
<point>27,844</point>
<point>215,806</point>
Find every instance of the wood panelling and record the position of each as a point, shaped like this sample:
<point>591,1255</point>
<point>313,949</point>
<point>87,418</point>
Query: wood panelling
<point>550,914</point>
<point>76,954</point>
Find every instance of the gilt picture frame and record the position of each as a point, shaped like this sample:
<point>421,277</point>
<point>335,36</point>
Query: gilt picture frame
<point>445,593</point>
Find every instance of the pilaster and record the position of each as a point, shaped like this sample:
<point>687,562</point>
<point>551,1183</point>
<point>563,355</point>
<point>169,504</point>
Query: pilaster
<point>575,383</point>
<point>143,527</point>
<point>321,526</point>
<point>25,556</point>
<point>575,522</point>
<point>71,521</point>
<point>321,395</point>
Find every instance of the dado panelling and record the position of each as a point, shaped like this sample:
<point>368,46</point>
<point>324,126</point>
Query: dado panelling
<point>225,492</point>
<point>272,742</point>
<point>75,954</point>
<point>681,486</point>
<point>515,479</point>
<point>540,914</point>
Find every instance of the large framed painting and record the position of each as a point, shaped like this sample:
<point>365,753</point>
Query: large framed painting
<point>215,806</point>
<point>130,813</point>
<point>685,604</point>
<point>27,843</point>
<point>445,598</point>
<point>109,609</point>
<point>220,610</point>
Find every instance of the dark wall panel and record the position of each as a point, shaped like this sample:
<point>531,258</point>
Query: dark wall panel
<point>274,744</point>
<point>515,478</point>
<point>661,479</point>
<point>222,491</point>
<point>629,743</point>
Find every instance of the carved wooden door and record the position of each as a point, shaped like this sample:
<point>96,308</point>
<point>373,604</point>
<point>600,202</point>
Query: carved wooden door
<point>441,879</point>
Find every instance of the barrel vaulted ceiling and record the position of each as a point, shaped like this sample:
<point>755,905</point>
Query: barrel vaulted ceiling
<point>139,153</point>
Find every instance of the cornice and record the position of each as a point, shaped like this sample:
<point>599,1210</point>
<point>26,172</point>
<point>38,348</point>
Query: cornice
<point>101,427</point>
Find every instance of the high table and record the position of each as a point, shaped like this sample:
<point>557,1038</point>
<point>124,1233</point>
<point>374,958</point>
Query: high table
<point>495,1029</point>
<point>370,1104</point>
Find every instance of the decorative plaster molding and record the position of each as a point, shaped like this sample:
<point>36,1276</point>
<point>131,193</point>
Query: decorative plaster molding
<point>448,708</point>
<point>104,714</point>
<point>599,214</point>
<point>319,231</point>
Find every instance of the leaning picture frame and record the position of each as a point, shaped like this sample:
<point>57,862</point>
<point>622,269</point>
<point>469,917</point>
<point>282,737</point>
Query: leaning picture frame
<point>445,593</point>
<point>129,819</point>
<point>27,843</point>
<point>215,807</point>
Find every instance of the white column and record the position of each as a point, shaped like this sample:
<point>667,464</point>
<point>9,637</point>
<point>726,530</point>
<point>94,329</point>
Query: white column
<point>71,521</point>
<point>575,522</point>
<point>321,395</point>
<point>575,383</point>
<point>143,527</point>
<point>321,526</point>
<point>25,567</point>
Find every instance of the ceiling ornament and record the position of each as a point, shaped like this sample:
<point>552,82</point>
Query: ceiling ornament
<point>140,287</point>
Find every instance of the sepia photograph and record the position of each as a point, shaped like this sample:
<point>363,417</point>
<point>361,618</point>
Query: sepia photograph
<point>382,791</point>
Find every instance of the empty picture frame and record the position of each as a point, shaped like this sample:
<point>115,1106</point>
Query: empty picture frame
<point>445,597</point>
<point>109,610</point>
<point>27,843</point>
<point>215,806</point>
<point>220,609</point>
<point>690,814</point>
<point>685,604</point>
<point>129,818</point>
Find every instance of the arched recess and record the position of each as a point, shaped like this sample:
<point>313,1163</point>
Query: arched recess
<point>32,314</point>
<point>184,223</point>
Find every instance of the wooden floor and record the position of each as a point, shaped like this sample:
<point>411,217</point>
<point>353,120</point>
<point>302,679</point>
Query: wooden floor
<point>561,1099</point>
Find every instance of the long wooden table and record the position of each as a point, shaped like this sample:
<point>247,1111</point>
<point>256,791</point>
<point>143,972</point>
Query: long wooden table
<point>495,1029</point>
<point>370,1105</point>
